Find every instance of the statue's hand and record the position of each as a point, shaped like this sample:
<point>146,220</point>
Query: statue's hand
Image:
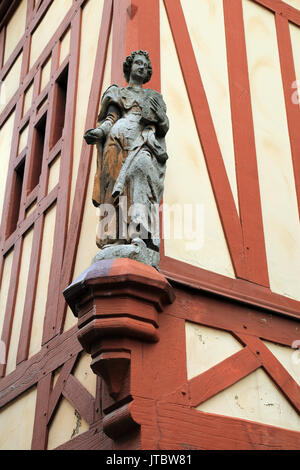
<point>92,136</point>
<point>158,110</point>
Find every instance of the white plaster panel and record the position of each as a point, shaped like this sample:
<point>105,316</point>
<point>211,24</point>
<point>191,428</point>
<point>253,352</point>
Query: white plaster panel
<point>277,186</point>
<point>28,99</point>
<point>43,282</point>
<point>46,74</point>
<point>205,22</point>
<point>288,357</point>
<point>86,248</point>
<point>56,375</point>
<point>64,46</point>
<point>70,320</point>
<point>20,301</point>
<point>88,47</point>
<point>66,424</point>
<point>10,83</point>
<point>84,373</point>
<point>16,422</point>
<point>90,31</point>
<point>5,286</point>
<point>187,181</point>
<point>206,347</point>
<point>47,27</point>
<point>6,132</point>
<point>15,29</point>
<point>30,209</point>
<point>54,170</point>
<point>255,398</point>
<point>23,138</point>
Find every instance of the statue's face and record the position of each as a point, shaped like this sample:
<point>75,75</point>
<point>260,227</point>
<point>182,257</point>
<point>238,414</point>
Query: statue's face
<point>139,68</point>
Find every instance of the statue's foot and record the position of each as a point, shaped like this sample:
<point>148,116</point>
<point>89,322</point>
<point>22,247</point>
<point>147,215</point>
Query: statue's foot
<point>136,250</point>
<point>117,243</point>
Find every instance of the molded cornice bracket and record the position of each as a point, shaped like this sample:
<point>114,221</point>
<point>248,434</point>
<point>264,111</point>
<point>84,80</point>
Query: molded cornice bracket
<point>117,301</point>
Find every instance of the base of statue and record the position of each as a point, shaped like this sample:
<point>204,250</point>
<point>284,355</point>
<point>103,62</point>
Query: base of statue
<point>117,303</point>
<point>137,250</point>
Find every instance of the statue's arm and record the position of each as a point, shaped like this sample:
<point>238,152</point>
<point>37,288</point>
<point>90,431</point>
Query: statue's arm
<point>162,124</point>
<point>162,127</point>
<point>92,136</point>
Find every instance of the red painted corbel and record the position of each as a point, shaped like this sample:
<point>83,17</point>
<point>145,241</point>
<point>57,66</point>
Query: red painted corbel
<point>117,302</point>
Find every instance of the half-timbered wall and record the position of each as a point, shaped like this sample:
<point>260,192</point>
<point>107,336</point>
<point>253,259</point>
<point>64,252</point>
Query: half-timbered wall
<point>228,71</point>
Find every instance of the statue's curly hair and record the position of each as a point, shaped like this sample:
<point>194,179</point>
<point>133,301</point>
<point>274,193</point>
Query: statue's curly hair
<point>128,63</point>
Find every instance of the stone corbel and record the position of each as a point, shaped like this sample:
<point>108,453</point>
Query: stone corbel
<point>117,301</point>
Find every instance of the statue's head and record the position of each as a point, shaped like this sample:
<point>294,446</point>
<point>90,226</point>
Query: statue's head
<point>127,65</point>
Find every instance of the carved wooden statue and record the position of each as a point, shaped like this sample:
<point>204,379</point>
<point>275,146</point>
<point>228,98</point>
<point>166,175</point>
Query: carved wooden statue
<point>131,165</point>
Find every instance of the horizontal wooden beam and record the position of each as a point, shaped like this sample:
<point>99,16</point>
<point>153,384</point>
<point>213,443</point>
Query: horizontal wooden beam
<point>234,289</point>
<point>235,317</point>
<point>183,428</point>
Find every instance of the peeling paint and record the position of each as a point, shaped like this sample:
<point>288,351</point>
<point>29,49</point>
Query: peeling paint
<point>78,424</point>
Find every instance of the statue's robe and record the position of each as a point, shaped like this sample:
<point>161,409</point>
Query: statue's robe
<point>131,129</point>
